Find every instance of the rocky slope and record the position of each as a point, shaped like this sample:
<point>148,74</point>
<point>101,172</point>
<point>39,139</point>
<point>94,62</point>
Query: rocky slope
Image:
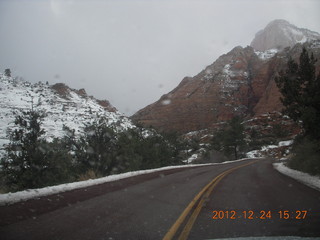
<point>61,104</point>
<point>240,82</point>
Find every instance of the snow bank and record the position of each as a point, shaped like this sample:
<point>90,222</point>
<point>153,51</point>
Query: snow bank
<point>307,179</point>
<point>10,198</point>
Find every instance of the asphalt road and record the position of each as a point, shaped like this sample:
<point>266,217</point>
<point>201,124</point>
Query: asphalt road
<point>150,207</point>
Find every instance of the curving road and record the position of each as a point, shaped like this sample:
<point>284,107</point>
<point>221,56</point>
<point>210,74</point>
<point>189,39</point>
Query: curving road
<point>162,205</point>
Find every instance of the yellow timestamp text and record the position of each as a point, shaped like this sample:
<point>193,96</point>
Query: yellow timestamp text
<point>263,214</point>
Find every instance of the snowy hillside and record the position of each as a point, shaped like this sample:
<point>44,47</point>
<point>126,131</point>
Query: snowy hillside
<point>62,106</point>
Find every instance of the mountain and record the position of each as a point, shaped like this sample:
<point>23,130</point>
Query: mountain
<point>279,34</point>
<point>61,104</point>
<point>240,82</point>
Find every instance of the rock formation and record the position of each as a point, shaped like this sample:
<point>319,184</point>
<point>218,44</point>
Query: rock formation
<point>240,82</point>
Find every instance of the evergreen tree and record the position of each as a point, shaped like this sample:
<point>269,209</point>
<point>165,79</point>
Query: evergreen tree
<point>57,164</point>
<point>7,72</point>
<point>101,150</point>
<point>96,149</point>
<point>230,140</point>
<point>129,152</point>
<point>30,161</point>
<point>157,152</point>
<point>138,151</point>
<point>300,89</point>
<point>21,164</point>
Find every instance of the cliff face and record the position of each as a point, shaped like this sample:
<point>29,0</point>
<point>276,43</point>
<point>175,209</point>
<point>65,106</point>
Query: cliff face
<point>217,93</point>
<point>240,82</point>
<point>233,85</point>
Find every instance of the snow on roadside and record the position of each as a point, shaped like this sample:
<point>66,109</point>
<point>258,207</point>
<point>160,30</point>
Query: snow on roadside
<point>10,198</point>
<point>307,179</point>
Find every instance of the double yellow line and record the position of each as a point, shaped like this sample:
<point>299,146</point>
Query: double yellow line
<point>201,197</point>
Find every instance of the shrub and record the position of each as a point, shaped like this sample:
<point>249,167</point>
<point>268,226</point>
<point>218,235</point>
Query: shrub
<point>306,156</point>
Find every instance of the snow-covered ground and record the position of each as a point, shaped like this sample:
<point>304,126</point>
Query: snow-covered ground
<point>10,198</point>
<point>307,179</point>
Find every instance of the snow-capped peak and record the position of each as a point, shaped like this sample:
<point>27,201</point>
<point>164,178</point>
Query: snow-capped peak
<point>280,34</point>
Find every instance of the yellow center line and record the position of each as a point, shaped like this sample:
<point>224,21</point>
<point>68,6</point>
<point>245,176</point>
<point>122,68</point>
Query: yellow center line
<point>204,193</point>
<point>184,214</point>
<point>185,233</point>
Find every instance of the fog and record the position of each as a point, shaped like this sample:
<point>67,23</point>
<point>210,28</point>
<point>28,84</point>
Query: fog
<point>130,52</point>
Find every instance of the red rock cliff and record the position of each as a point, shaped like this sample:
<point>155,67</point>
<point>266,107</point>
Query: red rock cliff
<point>240,82</point>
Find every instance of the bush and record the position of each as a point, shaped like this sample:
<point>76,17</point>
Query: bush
<point>105,151</point>
<point>136,151</point>
<point>306,156</point>
<point>95,150</point>
<point>32,162</point>
<point>59,166</point>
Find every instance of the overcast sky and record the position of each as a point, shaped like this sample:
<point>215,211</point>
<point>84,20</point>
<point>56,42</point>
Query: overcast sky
<point>131,52</point>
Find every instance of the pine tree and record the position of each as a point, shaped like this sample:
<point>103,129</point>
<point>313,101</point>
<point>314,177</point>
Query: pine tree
<point>7,72</point>
<point>30,161</point>
<point>230,140</point>
<point>23,156</point>
<point>96,149</point>
<point>130,146</point>
<point>300,89</point>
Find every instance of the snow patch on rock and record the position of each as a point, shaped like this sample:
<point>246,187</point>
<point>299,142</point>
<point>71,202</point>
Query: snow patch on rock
<point>266,55</point>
